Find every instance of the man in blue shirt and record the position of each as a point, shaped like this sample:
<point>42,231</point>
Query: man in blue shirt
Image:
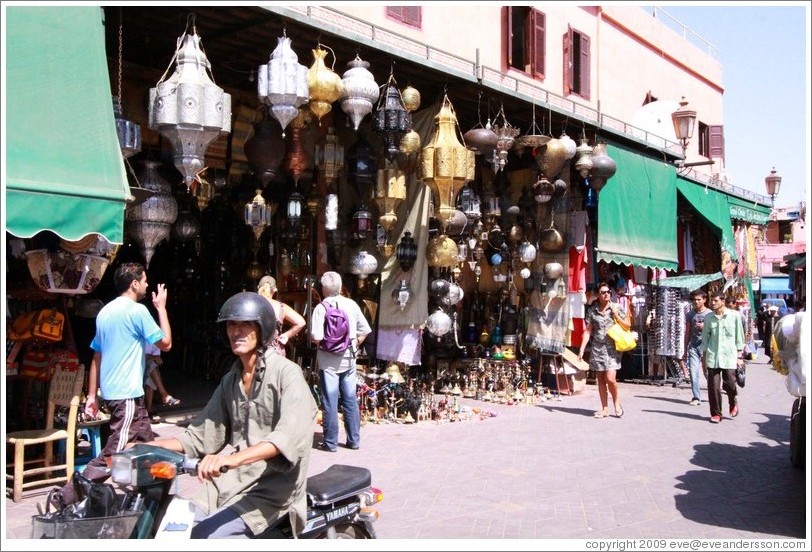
<point>123,326</point>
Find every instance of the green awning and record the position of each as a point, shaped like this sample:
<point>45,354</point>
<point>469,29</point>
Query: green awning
<point>748,211</point>
<point>688,281</point>
<point>64,168</point>
<point>713,207</point>
<point>637,212</point>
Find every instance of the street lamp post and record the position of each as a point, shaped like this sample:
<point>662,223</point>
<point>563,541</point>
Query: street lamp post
<point>773,183</point>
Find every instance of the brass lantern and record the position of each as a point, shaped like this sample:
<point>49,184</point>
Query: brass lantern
<point>391,119</point>
<point>409,152</point>
<point>282,83</point>
<point>149,222</point>
<point>188,109</point>
<point>330,157</point>
<point>324,84</point>
<point>257,215</point>
<point>360,91</point>
<point>411,98</point>
<point>390,191</point>
<point>583,163</point>
<point>446,164</point>
<point>442,252</point>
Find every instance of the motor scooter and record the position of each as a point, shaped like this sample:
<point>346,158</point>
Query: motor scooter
<point>339,501</point>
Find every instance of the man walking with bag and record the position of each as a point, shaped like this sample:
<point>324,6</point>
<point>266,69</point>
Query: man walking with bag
<point>338,329</point>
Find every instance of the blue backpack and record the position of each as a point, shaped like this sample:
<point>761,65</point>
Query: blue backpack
<point>336,330</point>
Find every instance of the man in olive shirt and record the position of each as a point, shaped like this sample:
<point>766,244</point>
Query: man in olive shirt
<point>264,410</point>
<point>722,343</point>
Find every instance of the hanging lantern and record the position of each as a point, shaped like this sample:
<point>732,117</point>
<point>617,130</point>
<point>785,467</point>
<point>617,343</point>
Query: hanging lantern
<point>330,157</point>
<point>294,209</point>
<point>391,119</point>
<point>360,91</point>
<point>442,252</point>
<point>583,163</point>
<point>129,132</point>
<point>204,192</point>
<point>362,223</point>
<point>411,98</point>
<point>390,191</point>
<point>603,167</point>
<point>482,140</point>
<point>406,252</point>
<point>590,200</point>
<point>446,164</point>
<point>296,157</point>
<point>468,203</point>
<point>188,109</point>
<point>363,264</point>
<point>402,294</point>
<point>527,252</point>
<point>324,85</point>
<point>265,150</point>
<point>362,166</point>
<point>409,152</point>
<point>453,296</point>
<point>569,145</point>
<point>186,227</point>
<point>533,138</point>
<point>149,222</point>
<point>257,214</point>
<point>438,323</point>
<point>506,134</point>
<point>282,83</point>
<point>552,158</point>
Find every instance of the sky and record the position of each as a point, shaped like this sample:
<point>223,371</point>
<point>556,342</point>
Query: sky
<point>764,52</point>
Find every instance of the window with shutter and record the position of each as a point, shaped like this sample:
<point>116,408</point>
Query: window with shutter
<point>577,66</point>
<point>717,141</point>
<point>703,139</point>
<point>525,47</point>
<point>409,15</point>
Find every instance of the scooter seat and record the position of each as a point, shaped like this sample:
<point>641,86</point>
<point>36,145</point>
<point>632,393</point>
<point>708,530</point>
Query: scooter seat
<point>337,483</point>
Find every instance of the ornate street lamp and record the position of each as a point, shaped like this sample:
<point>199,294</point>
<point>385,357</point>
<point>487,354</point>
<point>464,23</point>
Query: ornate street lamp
<point>773,183</point>
<point>684,120</point>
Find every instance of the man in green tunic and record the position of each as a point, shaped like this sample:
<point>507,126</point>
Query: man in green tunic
<point>259,423</point>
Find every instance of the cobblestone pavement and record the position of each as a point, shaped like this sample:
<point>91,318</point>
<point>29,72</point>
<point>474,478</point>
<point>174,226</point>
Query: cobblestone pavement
<point>553,471</point>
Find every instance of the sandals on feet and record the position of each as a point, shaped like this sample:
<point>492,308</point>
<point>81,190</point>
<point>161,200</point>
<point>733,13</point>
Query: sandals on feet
<point>171,401</point>
<point>619,413</point>
<point>601,415</point>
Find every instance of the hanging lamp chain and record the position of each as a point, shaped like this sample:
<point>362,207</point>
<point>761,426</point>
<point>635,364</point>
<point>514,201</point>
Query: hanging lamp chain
<point>120,50</point>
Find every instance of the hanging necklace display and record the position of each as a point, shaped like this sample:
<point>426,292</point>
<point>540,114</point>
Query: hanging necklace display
<point>188,108</point>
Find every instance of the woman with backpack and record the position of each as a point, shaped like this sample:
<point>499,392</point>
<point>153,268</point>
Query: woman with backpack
<point>338,328</point>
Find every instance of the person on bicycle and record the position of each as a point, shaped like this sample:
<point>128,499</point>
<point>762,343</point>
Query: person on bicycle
<point>259,424</point>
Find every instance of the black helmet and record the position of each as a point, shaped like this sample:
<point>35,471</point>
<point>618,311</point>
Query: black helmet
<point>250,306</point>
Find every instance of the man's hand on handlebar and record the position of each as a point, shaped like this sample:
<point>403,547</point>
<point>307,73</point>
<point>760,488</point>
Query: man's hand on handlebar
<point>211,466</point>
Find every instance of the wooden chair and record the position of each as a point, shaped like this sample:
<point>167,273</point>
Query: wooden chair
<point>65,390</point>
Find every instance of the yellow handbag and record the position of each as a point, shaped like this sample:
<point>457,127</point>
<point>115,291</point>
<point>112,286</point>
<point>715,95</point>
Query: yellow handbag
<point>623,338</point>
<point>49,325</point>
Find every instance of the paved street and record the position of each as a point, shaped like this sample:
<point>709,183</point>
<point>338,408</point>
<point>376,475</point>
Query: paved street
<point>552,471</point>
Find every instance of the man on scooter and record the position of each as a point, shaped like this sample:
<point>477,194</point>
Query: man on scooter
<point>264,413</point>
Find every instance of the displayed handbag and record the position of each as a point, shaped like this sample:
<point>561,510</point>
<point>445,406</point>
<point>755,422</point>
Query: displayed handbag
<point>624,339</point>
<point>22,326</point>
<point>740,374</point>
<point>49,325</point>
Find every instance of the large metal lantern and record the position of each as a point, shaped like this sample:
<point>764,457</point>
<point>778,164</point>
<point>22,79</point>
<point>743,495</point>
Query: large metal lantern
<point>552,158</point>
<point>265,150</point>
<point>187,226</point>
<point>363,264</point>
<point>282,83</point>
<point>446,164</point>
<point>360,91</point>
<point>391,119</point>
<point>188,109</point>
<point>323,83</point>
<point>149,222</point>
